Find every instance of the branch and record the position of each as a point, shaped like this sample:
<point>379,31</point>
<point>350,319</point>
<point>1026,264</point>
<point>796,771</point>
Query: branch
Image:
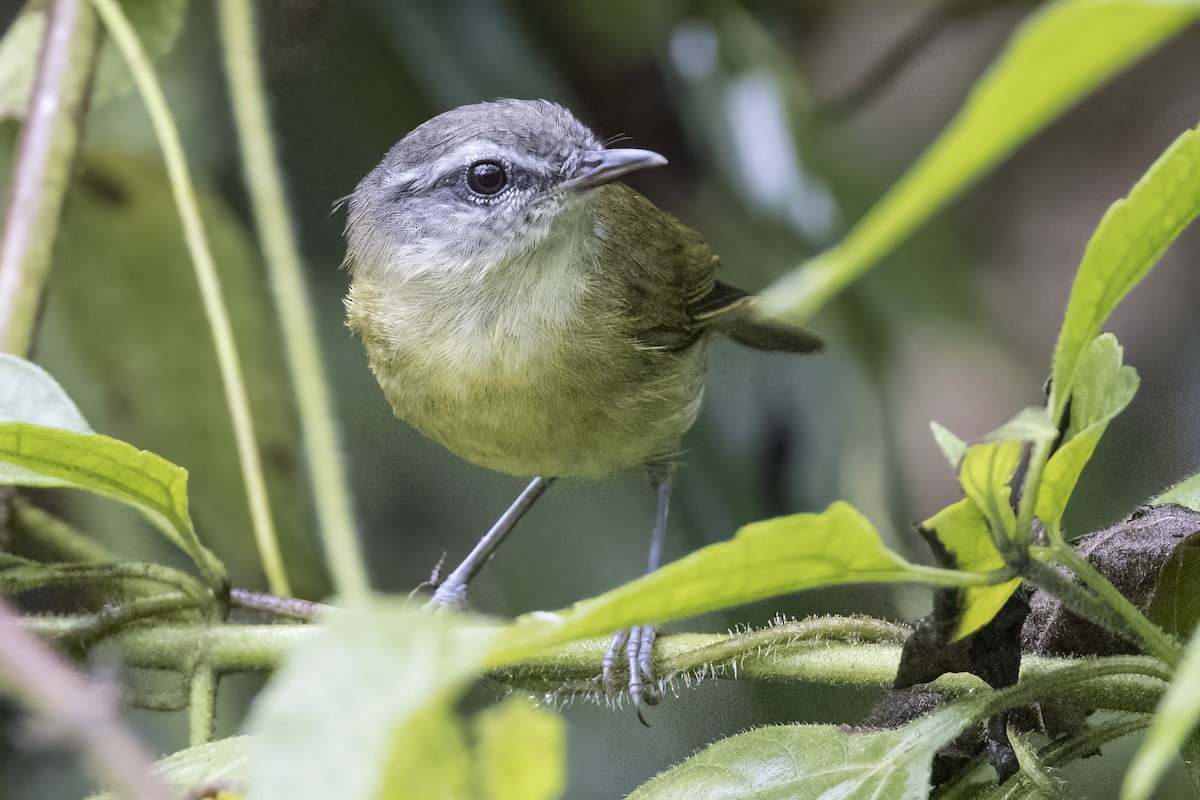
<point>75,711</point>
<point>45,152</point>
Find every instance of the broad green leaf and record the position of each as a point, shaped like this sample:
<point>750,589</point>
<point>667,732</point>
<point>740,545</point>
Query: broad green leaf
<point>217,764</point>
<point>796,762</point>
<point>366,707</point>
<point>764,559</point>
<point>1103,387</point>
<point>35,455</point>
<point>1175,720</point>
<point>153,379</point>
<point>952,447</point>
<point>521,752</point>
<point>29,394</point>
<point>1186,493</point>
<point>157,23</point>
<point>985,475</point>
<point>963,531</point>
<point>1129,240</point>
<point>1029,425</point>
<point>1057,56</point>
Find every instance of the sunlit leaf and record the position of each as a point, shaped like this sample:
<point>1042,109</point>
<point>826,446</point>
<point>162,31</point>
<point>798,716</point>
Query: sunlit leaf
<point>815,761</point>
<point>1132,236</point>
<point>366,706</point>
<point>764,559</point>
<point>157,23</point>
<point>1175,719</point>
<point>963,531</point>
<point>952,447</point>
<point>29,394</point>
<point>1185,493</point>
<point>986,472</point>
<point>521,752</point>
<point>35,455</point>
<point>1059,54</point>
<point>1029,425</point>
<point>1103,388</point>
<point>219,765</point>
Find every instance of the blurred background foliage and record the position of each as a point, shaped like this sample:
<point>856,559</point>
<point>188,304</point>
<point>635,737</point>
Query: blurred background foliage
<point>783,122</point>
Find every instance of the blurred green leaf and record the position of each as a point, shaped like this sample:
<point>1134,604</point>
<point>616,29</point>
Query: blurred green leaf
<point>1057,56</point>
<point>153,379</point>
<point>986,475</point>
<point>49,457</point>
<point>217,764</point>
<point>764,559</point>
<point>952,447</point>
<point>1102,388</point>
<point>521,752</point>
<point>816,761</point>
<point>29,394</point>
<point>1031,424</point>
<point>963,531</point>
<point>1185,493</point>
<point>1175,720</point>
<point>1129,240</point>
<point>366,707</point>
<point>157,23</point>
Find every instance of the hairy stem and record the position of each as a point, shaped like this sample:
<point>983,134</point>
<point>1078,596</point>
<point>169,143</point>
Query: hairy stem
<point>131,50</point>
<point>202,708</point>
<point>63,540</point>
<point>264,181</point>
<point>45,153</point>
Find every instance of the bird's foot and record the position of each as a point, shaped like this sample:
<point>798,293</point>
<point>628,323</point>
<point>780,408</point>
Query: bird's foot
<point>637,647</point>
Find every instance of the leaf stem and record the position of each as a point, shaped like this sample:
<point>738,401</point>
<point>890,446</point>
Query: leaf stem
<point>62,539</point>
<point>264,182</point>
<point>45,152</point>
<point>265,537</point>
<point>202,707</point>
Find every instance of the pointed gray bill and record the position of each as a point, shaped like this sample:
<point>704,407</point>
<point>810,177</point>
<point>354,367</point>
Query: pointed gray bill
<point>605,166</point>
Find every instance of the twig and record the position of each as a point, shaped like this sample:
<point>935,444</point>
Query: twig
<point>75,711</point>
<point>264,181</point>
<point>127,42</point>
<point>45,152</point>
<point>285,607</point>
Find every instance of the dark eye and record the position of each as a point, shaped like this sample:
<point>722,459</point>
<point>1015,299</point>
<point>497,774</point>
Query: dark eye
<point>486,177</point>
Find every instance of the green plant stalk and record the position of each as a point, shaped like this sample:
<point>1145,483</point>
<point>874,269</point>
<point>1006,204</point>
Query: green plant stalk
<point>61,538</point>
<point>45,152</point>
<point>1029,495</point>
<point>85,629</point>
<point>1154,639</point>
<point>124,571</point>
<point>131,50</point>
<point>264,182</point>
<point>202,708</point>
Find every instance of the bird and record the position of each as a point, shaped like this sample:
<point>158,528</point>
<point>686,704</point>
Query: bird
<point>534,315</point>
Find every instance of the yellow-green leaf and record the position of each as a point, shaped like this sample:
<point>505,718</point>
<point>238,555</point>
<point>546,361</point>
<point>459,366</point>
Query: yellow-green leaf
<point>521,752</point>
<point>987,470</point>
<point>1057,56</point>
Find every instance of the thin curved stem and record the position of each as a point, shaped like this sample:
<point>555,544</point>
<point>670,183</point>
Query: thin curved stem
<point>49,140</point>
<point>219,325</point>
<point>264,182</point>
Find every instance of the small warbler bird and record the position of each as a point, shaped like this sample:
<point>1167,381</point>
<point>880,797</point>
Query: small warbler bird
<point>533,315</point>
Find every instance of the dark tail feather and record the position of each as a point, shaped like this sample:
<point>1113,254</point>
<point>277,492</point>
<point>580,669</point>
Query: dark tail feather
<point>730,311</point>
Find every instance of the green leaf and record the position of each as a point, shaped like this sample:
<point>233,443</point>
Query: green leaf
<point>1103,388</point>
<point>366,706</point>
<point>35,455</point>
<point>29,394</point>
<point>157,22</point>
<point>1175,720</point>
<point>952,447</point>
<point>764,559</point>
<point>216,764</point>
<point>1186,493</point>
<point>986,474</point>
<point>1132,236</point>
<point>521,752</point>
<point>1057,56</point>
<point>815,761</point>
<point>963,531</point>
<point>1029,425</point>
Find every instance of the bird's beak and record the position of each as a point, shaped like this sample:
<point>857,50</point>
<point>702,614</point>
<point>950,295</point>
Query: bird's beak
<point>605,166</point>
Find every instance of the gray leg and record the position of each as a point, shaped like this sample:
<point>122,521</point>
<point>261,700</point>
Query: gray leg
<point>638,642</point>
<point>452,592</point>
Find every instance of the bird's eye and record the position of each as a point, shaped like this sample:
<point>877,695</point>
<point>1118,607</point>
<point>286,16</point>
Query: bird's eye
<point>486,177</point>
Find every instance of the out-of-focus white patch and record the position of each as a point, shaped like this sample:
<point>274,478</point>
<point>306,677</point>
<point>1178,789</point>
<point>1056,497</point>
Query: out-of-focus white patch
<point>694,49</point>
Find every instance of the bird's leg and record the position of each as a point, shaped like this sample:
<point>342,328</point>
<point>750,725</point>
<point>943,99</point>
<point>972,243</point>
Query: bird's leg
<point>452,592</point>
<point>638,642</point>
